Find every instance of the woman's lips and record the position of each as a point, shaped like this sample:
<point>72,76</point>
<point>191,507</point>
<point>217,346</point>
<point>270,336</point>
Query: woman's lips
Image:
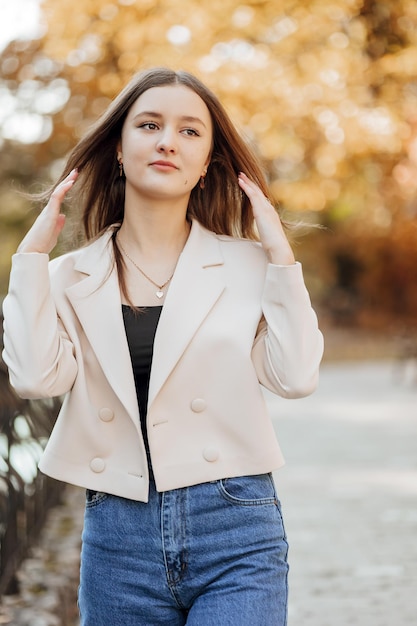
<point>164,165</point>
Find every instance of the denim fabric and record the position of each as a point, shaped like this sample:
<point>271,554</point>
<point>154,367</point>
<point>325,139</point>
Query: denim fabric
<point>213,554</point>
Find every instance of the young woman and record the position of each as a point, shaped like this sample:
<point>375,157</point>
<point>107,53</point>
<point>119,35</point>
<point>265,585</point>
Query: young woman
<point>159,333</point>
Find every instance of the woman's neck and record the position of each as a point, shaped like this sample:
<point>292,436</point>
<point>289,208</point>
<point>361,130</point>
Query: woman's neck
<point>154,233</point>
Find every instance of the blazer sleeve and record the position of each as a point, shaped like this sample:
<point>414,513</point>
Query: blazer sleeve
<point>288,346</point>
<point>37,349</point>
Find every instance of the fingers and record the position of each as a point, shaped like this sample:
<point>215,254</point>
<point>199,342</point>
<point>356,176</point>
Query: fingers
<point>249,187</point>
<point>43,235</point>
<point>254,193</point>
<point>60,191</point>
<point>257,199</point>
<point>271,232</point>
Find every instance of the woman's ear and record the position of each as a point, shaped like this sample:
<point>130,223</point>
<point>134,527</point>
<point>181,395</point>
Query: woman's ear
<point>119,153</point>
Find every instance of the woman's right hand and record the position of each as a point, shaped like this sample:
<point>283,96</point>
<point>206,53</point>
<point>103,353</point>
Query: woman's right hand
<point>43,235</point>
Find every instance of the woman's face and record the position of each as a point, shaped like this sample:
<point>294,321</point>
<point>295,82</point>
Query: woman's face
<point>166,143</point>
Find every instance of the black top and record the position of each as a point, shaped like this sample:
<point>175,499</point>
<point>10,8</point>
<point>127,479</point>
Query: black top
<point>140,332</point>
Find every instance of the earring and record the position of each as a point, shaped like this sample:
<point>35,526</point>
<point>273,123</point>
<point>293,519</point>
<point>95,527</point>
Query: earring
<point>202,181</point>
<point>121,172</point>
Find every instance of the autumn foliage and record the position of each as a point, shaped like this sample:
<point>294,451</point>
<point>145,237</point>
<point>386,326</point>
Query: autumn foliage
<point>325,88</point>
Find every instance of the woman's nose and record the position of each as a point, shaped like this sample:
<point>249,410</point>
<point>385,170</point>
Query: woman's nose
<point>167,142</point>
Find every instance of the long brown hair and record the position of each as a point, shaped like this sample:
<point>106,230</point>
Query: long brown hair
<point>99,194</point>
<point>221,206</point>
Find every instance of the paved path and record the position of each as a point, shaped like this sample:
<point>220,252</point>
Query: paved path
<point>349,496</point>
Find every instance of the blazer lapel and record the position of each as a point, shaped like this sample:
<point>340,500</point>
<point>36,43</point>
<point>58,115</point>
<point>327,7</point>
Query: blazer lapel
<point>197,284</point>
<point>97,304</point>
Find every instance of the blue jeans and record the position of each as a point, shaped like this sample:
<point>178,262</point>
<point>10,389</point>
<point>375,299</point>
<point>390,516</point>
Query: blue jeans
<point>213,554</point>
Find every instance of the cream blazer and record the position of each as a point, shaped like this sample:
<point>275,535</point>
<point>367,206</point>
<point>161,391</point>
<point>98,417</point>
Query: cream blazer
<point>230,323</point>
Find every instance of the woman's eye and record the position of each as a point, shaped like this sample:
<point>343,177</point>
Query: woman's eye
<point>191,132</point>
<point>149,125</point>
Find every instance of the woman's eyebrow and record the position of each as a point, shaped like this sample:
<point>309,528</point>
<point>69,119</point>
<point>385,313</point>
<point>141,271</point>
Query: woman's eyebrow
<point>183,118</point>
<point>192,119</point>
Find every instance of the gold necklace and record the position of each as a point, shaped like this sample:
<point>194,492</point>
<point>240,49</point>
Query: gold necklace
<point>159,293</point>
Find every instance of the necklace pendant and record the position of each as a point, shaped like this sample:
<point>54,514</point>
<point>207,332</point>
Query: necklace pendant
<point>159,294</point>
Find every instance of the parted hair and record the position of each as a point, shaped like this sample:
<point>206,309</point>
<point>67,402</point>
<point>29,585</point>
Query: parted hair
<point>100,191</point>
<point>98,198</point>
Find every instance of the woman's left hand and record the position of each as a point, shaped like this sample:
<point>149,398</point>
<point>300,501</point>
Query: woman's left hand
<point>271,231</point>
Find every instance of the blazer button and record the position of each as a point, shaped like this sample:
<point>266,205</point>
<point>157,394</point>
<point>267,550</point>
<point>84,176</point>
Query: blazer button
<point>210,454</point>
<point>198,405</point>
<point>105,414</point>
<point>97,465</point>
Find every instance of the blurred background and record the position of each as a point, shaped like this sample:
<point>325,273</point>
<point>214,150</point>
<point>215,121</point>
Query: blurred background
<point>326,89</point>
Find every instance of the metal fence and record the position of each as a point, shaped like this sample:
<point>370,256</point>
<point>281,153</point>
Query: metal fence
<point>25,494</point>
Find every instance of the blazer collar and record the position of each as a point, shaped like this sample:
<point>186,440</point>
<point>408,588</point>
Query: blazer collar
<point>96,301</point>
<point>194,289</point>
<point>196,286</point>
<point>96,261</point>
